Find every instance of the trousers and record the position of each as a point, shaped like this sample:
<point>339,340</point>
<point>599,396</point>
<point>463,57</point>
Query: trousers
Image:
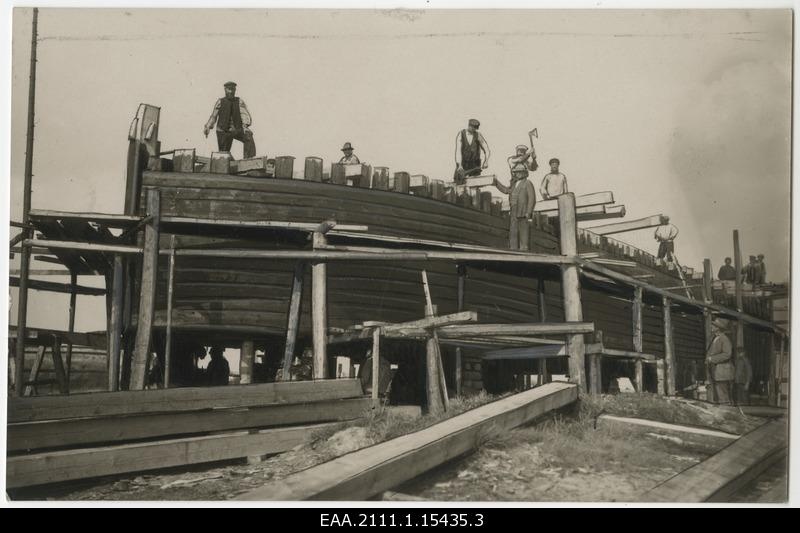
<point>519,233</point>
<point>225,141</point>
<point>722,392</point>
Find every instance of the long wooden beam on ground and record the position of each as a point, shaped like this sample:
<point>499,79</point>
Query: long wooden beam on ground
<point>179,399</point>
<point>670,428</point>
<point>370,471</point>
<point>52,467</point>
<point>633,282</point>
<point>116,429</point>
<point>64,288</point>
<point>629,225</point>
<point>721,475</point>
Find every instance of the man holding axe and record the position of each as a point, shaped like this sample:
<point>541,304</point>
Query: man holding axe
<point>522,195</point>
<point>469,144</point>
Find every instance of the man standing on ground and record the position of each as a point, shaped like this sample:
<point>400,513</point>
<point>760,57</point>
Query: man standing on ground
<point>719,362</point>
<point>469,145</point>
<point>555,183</point>
<point>522,196</point>
<point>665,235</point>
<point>726,271</point>
<point>233,121</point>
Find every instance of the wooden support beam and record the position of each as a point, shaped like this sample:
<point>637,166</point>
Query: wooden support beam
<point>461,272</point>
<point>35,369</point>
<point>22,306</point>
<point>103,430</point>
<point>293,319</point>
<point>434,321</point>
<point>584,200</point>
<point>87,246</point>
<point>52,467</point>
<point>73,296</point>
<point>115,332</point>
<point>738,345</point>
<point>168,221</point>
<point>147,292</point>
<point>670,363</point>
<point>376,364</point>
<point>319,312</point>
<point>63,288</point>
<point>595,377</point>
<point>543,376</point>
<point>629,225</point>
<point>58,367</point>
<point>720,476</point>
<point>246,362</point>
<point>104,219</point>
<point>364,473</point>
<point>493,330</point>
<point>570,282</point>
<point>708,297</point>
<point>128,403</point>
<point>638,337</point>
<point>434,354</point>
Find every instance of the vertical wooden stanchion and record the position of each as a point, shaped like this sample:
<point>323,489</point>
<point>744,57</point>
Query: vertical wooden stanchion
<point>247,358</point>
<point>147,294</point>
<point>73,296</point>
<point>376,364</point>
<point>170,289</point>
<point>115,338</point>
<point>708,295</point>
<point>543,376</point>
<point>573,311</point>
<point>779,380</point>
<point>669,348</point>
<point>738,346</point>
<point>638,337</point>
<point>319,312</point>
<point>293,320</point>
<point>462,277</point>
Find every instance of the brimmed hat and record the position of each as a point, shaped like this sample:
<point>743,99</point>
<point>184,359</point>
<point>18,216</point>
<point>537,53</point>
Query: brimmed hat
<point>721,323</point>
<point>347,146</point>
<point>475,123</point>
<point>230,84</point>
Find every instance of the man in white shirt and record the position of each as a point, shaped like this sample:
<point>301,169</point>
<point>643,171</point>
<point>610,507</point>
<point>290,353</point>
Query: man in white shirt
<point>665,235</point>
<point>233,121</point>
<point>555,183</point>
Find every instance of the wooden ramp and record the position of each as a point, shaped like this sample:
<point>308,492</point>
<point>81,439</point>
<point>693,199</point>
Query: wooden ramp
<point>721,475</point>
<point>370,471</point>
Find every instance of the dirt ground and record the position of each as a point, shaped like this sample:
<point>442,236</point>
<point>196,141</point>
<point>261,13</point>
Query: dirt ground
<point>570,456</point>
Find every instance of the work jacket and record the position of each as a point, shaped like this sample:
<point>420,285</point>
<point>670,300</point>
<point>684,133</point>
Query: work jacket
<point>522,197</point>
<point>720,356</point>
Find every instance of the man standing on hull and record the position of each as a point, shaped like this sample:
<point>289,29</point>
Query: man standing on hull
<point>522,196</point>
<point>233,121</point>
<point>469,145</point>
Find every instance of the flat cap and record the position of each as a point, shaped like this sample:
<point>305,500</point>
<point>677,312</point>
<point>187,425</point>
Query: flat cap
<point>474,123</point>
<point>230,84</point>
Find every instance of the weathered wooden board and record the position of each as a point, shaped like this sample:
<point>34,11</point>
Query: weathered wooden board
<point>370,471</point>
<point>179,399</point>
<point>109,429</point>
<point>52,467</point>
<point>719,476</point>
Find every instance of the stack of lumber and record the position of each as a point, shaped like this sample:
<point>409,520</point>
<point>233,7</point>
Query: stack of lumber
<point>61,438</point>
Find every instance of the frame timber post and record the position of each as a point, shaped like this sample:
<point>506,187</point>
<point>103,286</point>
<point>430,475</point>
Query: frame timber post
<point>708,296</point>
<point>376,365</point>
<point>246,361</point>
<point>73,296</point>
<point>669,348</point>
<point>543,376</point>
<point>293,319</point>
<point>638,337</point>
<point>319,311</point>
<point>573,311</point>
<point>170,295</point>
<point>462,278</point>
<point>739,344</point>
<point>115,336</point>
<point>147,292</point>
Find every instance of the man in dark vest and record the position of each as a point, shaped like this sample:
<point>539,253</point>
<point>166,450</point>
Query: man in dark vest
<point>233,122</point>
<point>469,144</point>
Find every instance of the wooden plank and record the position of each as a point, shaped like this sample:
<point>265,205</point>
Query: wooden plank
<point>168,221</point>
<point>63,288</point>
<point>319,313</point>
<point>293,319</point>
<point>178,399</point>
<point>434,321</point>
<point>115,429</point>
<point>584,200</point>
<point>58,367</point>
<point>571,286</point>
<point>52,467</point>
<point>717,478</point>
<point>115,325</point>
<point>106,219</point>
<point>370,471</point>
<point>638,337</point>
<point>670,364</point>
<point>87,246</point>
<point>461,273</point>
<point>488,330</point>
<point>480,181</point>
<point>183,160</point>
<point>246,165</point>
<point>629,225</point>
<point>720,436</point>
<point>37,366</point>
<point>147,292</point>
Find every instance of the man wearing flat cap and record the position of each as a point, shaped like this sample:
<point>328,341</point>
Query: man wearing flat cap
<point>469,145</point>
<point>349,158</point>
<point>522,196</point>
<point>233,121</point>
<point>719,361</point>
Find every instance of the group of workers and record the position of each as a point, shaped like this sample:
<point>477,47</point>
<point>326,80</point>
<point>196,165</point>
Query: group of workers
<point>754,273</point>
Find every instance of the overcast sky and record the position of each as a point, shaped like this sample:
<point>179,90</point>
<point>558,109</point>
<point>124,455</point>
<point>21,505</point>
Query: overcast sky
<point>685,113</point>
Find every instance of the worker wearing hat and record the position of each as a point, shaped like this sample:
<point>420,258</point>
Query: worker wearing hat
<point>522,195</point>
<point>233,121</point>
<point>469,145</point>
<point>555,183</point>
<point>349,158</point>
<point>719,361</point>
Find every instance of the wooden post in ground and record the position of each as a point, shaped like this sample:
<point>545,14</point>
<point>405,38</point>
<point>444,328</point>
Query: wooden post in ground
<point>58,366</point>
<point>34,377</point>
<point>73,296</point>
<point>376,364</point>
<point>739,342</point>
<point>319,312</point>
<point>595,362</point>
<point>544,377</point>
<point>638,337</point>
<point>293,319</point>
<point>462,278</point>
<point>708,295</point>
<point>170,290</point>
<point>669,348</point>
<point>430,310</point>
<point>246,360</point>
<point>115,337</point>
<point>573,311</point>
<point>147,292</point>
